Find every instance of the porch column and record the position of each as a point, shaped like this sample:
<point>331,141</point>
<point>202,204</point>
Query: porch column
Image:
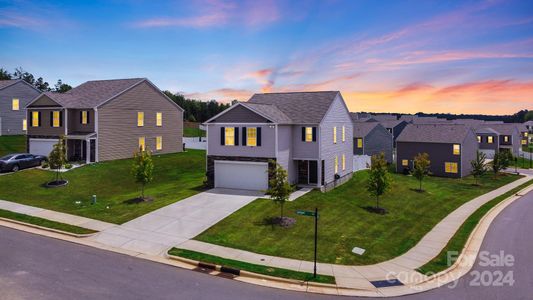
<point>87,151</point>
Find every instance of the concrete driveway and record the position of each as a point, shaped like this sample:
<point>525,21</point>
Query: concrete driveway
<point>171,225</point>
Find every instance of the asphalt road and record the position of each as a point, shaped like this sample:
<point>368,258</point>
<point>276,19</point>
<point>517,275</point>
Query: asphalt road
<point>36,267</point>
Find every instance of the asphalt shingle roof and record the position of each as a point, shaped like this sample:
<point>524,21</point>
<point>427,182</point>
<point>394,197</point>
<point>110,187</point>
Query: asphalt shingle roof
<point>391,124</point>
<point>6,83</point>
<point>505,128</point>
<point>299,107</point>
<point>361,129</point>
<point>269,111</point>
<point>93,93</point>
<point>434,133</point>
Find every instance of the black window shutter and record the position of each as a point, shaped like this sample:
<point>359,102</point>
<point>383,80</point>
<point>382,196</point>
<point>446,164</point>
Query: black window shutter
<point>39,114</point>
<point>314,134</point>
<point>222,136</point>
<point>236,136</point>
<point>258,136</point>
<point>61,119</point>
<point>81,116</point>
<point>30,117</point>
<point>51,118</point>
<point>244,133</point>
<point>88,115</point>
<point>303,134</point>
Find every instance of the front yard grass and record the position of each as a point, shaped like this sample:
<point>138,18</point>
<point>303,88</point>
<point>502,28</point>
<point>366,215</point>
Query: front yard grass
<point>522,162</point>
<point>176,176</point>
<point>44,222</point>
<point>345,222</point>
<point>12,144</point>
<point>259,269</point>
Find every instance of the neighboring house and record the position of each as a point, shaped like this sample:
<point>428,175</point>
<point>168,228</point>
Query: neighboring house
<point>451,148</point>
<point>384,117</point>
<point>415,119</point>
<point>394,127</point>
<point>509,138</point>
<point>309,134</point>
<point>488,141</point>
<point>529,126</point>
<point>105,120</point>
<point>14,96</point>
<point>370,138</point>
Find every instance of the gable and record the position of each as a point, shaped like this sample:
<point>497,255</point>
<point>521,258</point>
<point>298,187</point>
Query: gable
<point>142,96</point>
<point>239,114</point>
<point>337,112</point>
<point>43,101</point>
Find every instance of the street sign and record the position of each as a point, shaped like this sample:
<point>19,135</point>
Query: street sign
<point>305,213</point>
<point>312,214</point>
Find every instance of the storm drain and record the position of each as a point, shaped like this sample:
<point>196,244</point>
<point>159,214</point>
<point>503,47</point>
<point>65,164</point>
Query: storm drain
<point>386,283</point>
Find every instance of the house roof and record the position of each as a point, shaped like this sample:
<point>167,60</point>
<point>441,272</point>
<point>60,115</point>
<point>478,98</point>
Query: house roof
<point>271,112</point>
<point>362,129</point>
<point>505,128</point>
<point>487,130</point>
<point>434,133</point>
<point>391,124</point>
<point>385,117</point>
<point>299,107</point>
<point>93,93</point>
<point>6,83</point>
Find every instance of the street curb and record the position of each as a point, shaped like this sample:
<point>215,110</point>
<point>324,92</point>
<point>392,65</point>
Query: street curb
<point>77,235</point>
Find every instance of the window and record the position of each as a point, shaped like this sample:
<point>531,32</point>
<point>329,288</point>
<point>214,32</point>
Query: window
<point>140,119</point>
<point>15,104</point>
<point>525,134</point>
<point>84,117</point>
<point>343,162</point>
<point>308,134</point>
<point>490,139</point>
<point>230,136</point>
<point>159,119</point>
<point>24,124</point>
<point>450,167</point>
<point>336,164</point>
<point>479,138</point>
<point>506,138</point>
<point>158,142</point>
<point>35,119</point>
<point>524,142</point>
<point>141,143</point>
<point>55,118</point>
<point>405,162</point>
<point>359,143</point>
<point>335,135</point>
<point>251,136</point>
<point>456,149</point>
<point>343,134</point>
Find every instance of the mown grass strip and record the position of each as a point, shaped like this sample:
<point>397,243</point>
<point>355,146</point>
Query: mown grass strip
<point>259,269</point>
<point>458,241</point>
<point>44,222</point>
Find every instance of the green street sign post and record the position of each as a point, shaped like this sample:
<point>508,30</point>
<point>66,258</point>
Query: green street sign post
<point>312,214</point>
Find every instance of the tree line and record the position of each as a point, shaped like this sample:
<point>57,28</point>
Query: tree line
<point>196,110</point>
<point>38,83</point>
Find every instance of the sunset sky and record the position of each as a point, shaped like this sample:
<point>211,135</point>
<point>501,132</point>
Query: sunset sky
<point>400,56</point>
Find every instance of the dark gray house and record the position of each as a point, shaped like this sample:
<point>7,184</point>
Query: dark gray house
<point>508,138</point>
<point>14,96</point>
<point>105,120</point>
<point>451,148</point>
<point>309,134</point>
<point>371,138</point>
<point>488,141</point>
<point>395,127</point>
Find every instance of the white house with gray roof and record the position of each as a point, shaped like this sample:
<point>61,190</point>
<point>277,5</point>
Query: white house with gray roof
<point>308,133</point>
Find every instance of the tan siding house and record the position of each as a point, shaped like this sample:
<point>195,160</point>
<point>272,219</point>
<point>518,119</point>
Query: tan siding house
<point>106,119</point>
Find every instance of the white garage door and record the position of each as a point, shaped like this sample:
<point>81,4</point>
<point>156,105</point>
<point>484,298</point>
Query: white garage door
<point>241,175</point>
<point>42,146</point>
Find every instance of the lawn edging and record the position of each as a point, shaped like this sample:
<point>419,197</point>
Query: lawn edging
<point>466,260</point>
<point>12,218</point>
<point>328,281</point>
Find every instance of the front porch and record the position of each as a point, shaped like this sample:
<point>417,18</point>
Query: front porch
<point>81,147</point>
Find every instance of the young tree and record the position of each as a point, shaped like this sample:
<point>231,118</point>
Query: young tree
<point>142,168</point>
<point>58,157</point>
<point>421,167</point>
<point>279,187</point>
<point>379,179</point>
<point>478,166</point>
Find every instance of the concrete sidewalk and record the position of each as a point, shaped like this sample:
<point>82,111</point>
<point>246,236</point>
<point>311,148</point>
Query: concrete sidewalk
<point>360,276</point>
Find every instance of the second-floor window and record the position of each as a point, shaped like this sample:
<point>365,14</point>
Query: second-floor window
<point>479,138</point>
<point>230,136</point>
<point>159,119</point>
<point>490,139</point>
<point>456,149</point>
<point>84,117</point>
<point>308,134</point>
<point>140,119</point>
<point>35,122</point>
<point>359,142</point>
<point>506,139</point>
<point>343,134</point>
<point>15,105</point>
<point>251,136</point>
<point>335,135</point>
<point>56,118</point>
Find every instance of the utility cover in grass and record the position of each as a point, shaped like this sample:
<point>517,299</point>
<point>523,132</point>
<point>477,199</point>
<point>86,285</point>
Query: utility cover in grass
<point>358,251</point>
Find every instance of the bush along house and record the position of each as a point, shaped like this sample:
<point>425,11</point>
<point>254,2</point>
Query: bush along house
<point>105,120</point>
<point>308,133</point>
<point>451,148</point>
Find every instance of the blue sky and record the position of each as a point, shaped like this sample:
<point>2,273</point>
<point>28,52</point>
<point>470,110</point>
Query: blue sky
<point>405,56</point>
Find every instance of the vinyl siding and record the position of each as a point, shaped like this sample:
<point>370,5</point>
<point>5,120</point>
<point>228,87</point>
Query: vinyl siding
<point>118,134</point>
<point>284,157</point>
<point>267,148</point>
<point>46,128</point>
<point>239,114</point>
<point>301,149</point>
<point>379,140</point>
<point>11,120</point>
<point>468,153</point>
<point>74,121</point>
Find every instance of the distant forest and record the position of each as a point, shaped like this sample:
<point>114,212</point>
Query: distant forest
<point>519,117</point>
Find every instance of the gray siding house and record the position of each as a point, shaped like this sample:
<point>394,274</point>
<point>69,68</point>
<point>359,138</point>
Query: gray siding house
<point>371,138</point>
<point>105,120</point>
<point>14,96</point>
<point>506,137</point>
<point>309,134</point>
<point>451,148</point>
<point>488,141</point>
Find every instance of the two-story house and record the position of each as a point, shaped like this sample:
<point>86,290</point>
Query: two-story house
<point>451,148</point>
<point>14,96</point>
<point>508,136</point>
<point>308,133</point>
<point>105,120</point>
<point>488,141</point>
<point>370,138</point>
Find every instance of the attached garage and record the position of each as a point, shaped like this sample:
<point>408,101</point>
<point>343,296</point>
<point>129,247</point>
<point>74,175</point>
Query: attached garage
<point>241,175</point>
<point>42,146</point>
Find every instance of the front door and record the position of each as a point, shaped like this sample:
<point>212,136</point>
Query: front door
<point>303,171</point>
<point>313,170</point>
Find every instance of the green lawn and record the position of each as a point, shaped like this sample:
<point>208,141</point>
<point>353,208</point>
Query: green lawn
<point>522,162</point>
<point>527,148</point>
<point>259,269</point>
<point>176,176</point>
<point>12,144</point>
<point>193,132</point>
<point>344,222</point>
<point>44,222</point>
